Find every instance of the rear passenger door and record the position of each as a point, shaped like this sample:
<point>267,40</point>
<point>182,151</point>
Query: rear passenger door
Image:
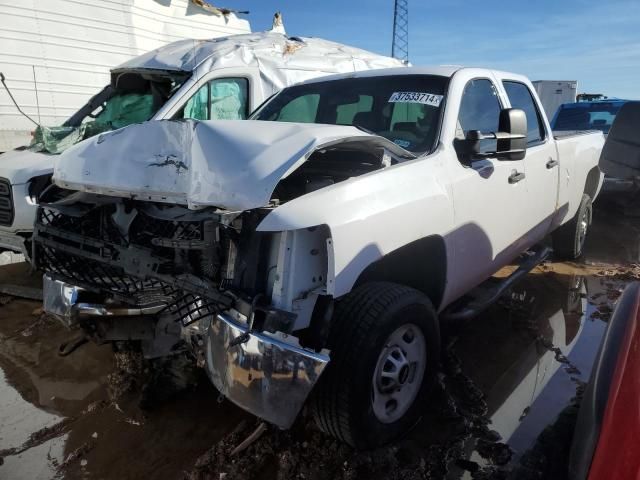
<point>541,162</point>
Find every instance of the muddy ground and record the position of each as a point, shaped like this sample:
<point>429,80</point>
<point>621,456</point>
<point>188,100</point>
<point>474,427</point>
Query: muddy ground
<point>503,408</point>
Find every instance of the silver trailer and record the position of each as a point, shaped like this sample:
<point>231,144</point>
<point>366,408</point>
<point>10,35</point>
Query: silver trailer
<point>554,93</point>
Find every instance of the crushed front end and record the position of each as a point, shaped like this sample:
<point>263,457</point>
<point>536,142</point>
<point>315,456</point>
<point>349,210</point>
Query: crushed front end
<point>203,281</point>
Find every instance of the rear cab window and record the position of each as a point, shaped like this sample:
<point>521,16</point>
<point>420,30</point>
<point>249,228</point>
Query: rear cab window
<point>520,97</point>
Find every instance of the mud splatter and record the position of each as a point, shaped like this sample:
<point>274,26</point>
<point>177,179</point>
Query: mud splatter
<point>129,373</point>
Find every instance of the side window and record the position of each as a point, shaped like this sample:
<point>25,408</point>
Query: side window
<point>301,109</point>
<point>520,97</point>
<point>346,112</point>
<point>228,99</point>
<point>219,99</point>
<point>479,110</point>
<point>197,107</point>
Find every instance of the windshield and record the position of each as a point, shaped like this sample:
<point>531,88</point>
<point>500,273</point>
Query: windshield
<point>587,116</point>
<point>403,108</point>
<point>132,97</point>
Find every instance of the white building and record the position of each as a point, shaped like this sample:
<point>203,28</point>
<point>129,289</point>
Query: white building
<point>56,54</point>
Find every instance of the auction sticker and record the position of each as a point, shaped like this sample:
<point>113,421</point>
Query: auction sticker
<point>416,97</point>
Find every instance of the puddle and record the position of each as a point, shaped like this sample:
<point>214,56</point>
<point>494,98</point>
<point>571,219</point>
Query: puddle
<point>503,407</point>
<point>530,357</point>
<point>18,419</point>
<point>58,420</point>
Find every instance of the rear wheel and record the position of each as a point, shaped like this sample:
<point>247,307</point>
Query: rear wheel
<point>384,345</point>
<point>569,239</point>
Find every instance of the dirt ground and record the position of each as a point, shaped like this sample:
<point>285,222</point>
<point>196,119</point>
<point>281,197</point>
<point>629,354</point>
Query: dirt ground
<point>503,407</point>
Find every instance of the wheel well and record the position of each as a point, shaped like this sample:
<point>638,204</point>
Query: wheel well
<point>593,180</point>
<point>421,264</point>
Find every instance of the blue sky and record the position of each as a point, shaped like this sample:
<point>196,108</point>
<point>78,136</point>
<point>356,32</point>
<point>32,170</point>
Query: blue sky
<point>594,42</point>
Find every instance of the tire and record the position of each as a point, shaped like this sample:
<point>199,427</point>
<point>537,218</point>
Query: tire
<point>569,239</point>
<point>378,327</point>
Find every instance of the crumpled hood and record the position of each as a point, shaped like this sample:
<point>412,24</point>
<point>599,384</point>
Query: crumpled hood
<point>19,166</point>
<point>231,164</point>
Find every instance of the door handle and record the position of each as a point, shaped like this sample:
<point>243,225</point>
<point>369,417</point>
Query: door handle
<point>515,177</point>
<point>552,163</point>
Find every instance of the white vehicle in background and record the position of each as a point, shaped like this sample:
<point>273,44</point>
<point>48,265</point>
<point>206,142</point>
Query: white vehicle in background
<point>55,54</point>
<point>332,229</point>
<point>224,78</point>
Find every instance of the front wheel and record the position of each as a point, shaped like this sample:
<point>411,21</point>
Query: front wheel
<point>384,344</point>
<point>569,239</point>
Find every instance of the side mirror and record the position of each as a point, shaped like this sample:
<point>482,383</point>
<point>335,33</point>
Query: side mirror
<point>512,135</point>
<point>511,138</point>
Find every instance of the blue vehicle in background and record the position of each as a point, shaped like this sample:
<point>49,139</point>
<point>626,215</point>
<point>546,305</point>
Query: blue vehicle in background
<point>622,174</point>
<point>594,115</point>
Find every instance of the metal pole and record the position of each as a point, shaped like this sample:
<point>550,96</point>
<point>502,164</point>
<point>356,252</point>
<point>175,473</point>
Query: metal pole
<point>400,44</point>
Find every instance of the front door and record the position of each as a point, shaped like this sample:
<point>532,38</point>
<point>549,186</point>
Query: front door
<point>489,195</point>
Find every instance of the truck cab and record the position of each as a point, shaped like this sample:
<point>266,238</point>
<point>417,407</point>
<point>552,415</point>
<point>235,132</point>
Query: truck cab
<point>222,78</point>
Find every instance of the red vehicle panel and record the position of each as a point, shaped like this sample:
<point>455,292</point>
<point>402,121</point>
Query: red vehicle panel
<point>617,453</point>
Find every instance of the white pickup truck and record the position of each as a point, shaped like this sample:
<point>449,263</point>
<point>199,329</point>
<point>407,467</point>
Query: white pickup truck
<point>332,229</point>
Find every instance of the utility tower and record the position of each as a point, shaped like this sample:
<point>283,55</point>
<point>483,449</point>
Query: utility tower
<point>400,44</point>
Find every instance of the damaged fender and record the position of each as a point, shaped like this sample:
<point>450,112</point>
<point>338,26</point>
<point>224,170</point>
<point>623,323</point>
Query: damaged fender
<point>396,206</point>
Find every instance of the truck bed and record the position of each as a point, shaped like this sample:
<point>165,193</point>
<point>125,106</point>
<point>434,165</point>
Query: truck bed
<point>578,153</point>
<point>563,134</point>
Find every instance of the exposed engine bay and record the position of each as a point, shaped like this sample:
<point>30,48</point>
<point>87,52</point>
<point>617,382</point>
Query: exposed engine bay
<point>194,263</point>
<point>329,166</point>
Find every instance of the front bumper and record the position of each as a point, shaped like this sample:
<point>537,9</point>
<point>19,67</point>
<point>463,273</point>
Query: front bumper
<point>64,302</point>
<point>266,375</point>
